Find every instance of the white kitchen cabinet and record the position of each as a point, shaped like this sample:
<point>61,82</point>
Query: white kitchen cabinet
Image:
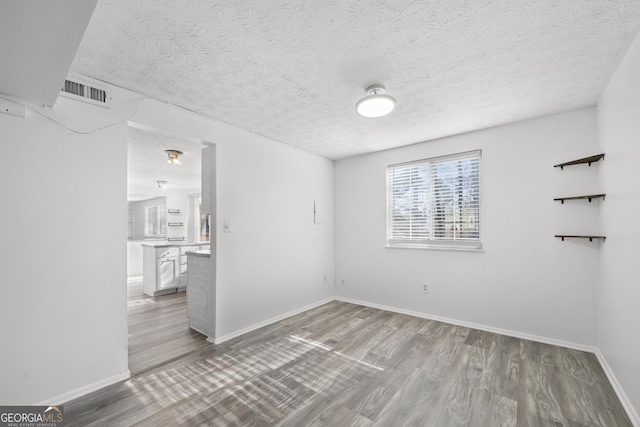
<point>165,267</point>
<point>159,270</point>
<point>167,273</point>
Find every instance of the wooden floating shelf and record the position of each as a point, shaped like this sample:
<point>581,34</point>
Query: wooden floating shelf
<point>587,197</point>
<point>173,211</point>
<point>588,160</point>
<point>568,236</point>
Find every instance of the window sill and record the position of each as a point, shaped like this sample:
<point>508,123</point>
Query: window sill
<point>434,247</point>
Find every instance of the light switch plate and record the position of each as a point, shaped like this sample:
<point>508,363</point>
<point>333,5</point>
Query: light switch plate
<point>226,226</point>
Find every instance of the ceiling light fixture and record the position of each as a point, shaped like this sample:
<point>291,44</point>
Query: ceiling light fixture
<point>173,156</point>
<point>376,103</point>
<point>162,184</point>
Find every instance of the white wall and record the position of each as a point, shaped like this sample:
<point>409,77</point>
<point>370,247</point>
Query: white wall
<point>173,199</point>
<point>526,280</point>
<point>138,212</point>
<point>177,199</point>
<point>134,258</point>
<point>274,260</point>
<point>63,221</point>
<point>619,291</point>
<point>63,310</point>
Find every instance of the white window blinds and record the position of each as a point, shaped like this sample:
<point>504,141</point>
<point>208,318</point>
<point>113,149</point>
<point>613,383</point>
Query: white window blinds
<point>435,202</point>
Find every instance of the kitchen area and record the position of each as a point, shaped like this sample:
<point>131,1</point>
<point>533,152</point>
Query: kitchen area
<point>168,249</point>
<point>165,266</point>
<point>160,238</point>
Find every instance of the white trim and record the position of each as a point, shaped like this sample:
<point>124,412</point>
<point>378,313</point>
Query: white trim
<point>478,326</point>
<point>275,319</point>
<point>445,157</point>
<point>434,247</point>
<point>624,399</point>
<point>90,388</point>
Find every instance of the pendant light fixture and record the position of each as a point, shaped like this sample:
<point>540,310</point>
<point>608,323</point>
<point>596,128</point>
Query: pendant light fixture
<point>173,156</point>
<point>376,103</point>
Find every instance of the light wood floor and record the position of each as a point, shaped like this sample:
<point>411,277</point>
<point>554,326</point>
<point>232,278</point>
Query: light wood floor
<point>158,329</point>
<point>347,365</point>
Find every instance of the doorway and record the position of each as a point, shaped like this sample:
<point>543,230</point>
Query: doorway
<point>164,215</point>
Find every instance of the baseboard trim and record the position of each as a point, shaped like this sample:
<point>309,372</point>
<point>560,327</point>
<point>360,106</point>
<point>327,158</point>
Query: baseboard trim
<point>472,325</point>
<point>79,392</point>
<point>624,399</point>
<point>270,321</point>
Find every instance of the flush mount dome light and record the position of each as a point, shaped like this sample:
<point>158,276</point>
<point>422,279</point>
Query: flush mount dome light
<point>173,157</point>
<point>376,103</point>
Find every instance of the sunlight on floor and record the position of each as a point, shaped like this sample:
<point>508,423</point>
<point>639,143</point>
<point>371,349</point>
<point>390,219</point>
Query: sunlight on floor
<point>263,378</point>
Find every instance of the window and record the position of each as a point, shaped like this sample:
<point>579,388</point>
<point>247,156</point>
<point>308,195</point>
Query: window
<point>155,221</point>
<point>194,219</point>
<point>435,203</point>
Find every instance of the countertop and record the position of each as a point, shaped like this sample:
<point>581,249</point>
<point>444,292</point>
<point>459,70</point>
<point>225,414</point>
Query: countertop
<point>168,244</point>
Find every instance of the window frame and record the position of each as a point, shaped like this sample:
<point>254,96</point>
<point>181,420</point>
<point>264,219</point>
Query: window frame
<point>156,226</point>
<point>431,242</point>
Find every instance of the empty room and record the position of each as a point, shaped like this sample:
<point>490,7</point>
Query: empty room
<point>340,213</point>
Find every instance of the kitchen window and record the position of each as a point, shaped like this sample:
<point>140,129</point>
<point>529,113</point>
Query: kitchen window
<point>435,203</point>
<point>155,221</point>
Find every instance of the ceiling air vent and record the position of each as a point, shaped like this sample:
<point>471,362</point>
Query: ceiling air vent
<point>84,92</point>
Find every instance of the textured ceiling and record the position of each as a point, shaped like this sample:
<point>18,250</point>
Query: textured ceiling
<point>293,70</point>
<point>147,163</point>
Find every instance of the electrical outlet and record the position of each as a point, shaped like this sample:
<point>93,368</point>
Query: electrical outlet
<point>425,288</point>
<point>325,278</point>
<point>342,282</point>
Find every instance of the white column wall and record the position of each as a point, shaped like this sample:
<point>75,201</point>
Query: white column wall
<point>619,290</point>
<point>64,233</point>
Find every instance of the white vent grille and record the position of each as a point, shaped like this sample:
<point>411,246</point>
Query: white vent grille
<point>84,92</point>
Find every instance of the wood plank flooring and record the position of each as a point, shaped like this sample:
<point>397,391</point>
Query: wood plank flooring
<point>346,365</point>
<point>158,329</point>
